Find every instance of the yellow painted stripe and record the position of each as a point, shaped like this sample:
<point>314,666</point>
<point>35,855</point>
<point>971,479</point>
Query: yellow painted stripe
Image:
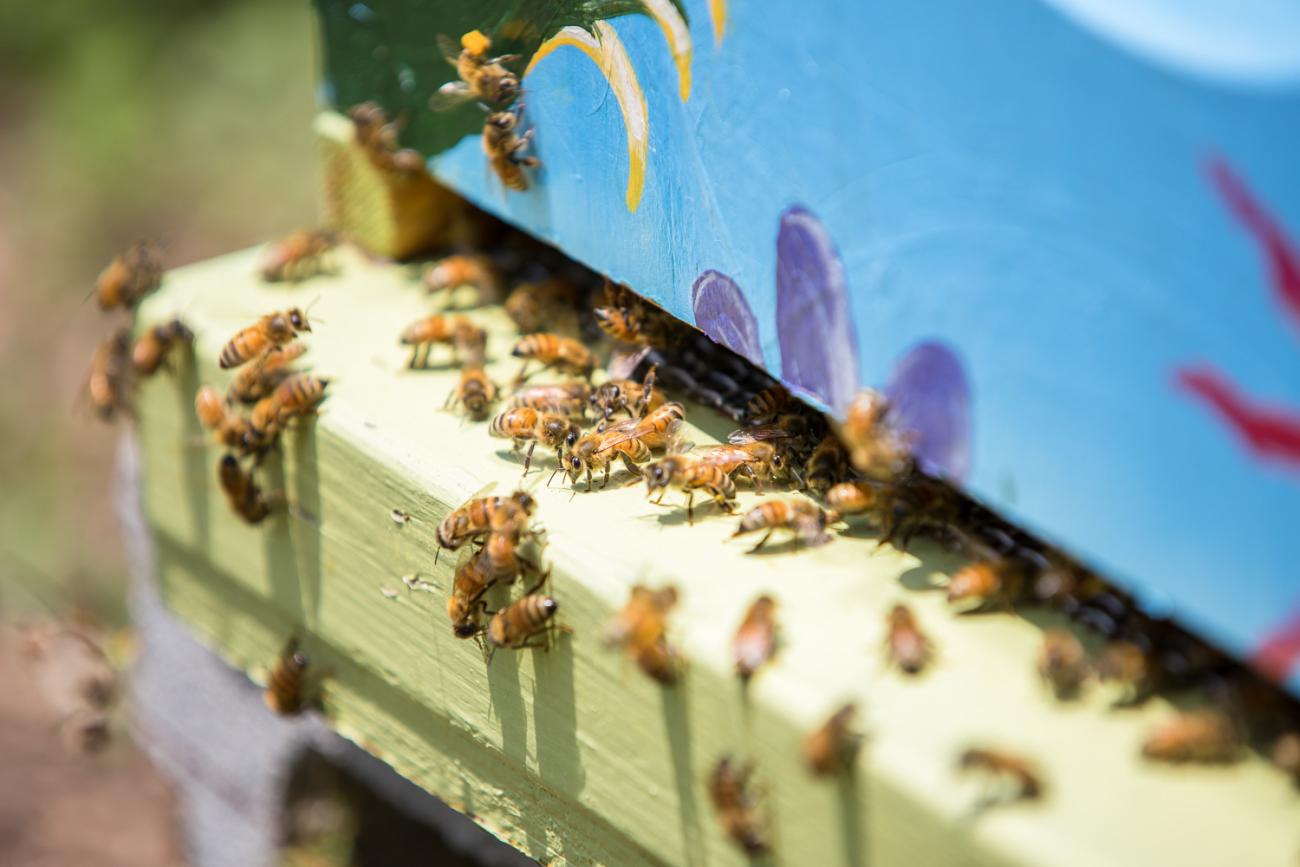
<point>679,40</point>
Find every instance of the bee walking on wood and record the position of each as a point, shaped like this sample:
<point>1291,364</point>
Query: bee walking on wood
<point>1130,669</point>
<point>736,807</point>
<point>1011,778</point>
<point>641,627</point>
<point>505,149</point>
<point>1000,579</point>
<point>626,395</point>
<point>473,520</point>
<point>567,399</point>
<point>1062,663</point>
<point>151,350</point>
<point>561,353</point>
<point>133,274</point>
<point>257,380</point>
<point>273,329</point>
<point>803,518</point>
<point>297,396</point>
<point>297,256</point>
<point>475,392</point>
<point>474,271</point>
<point>286,687</point>
<point>458,332</point>
<point>109,383</point>
<point>905,643</point>
<point>246,499</point>
<point>755,641</point>
<point>1202,736</point>
<point>833,747</point>
<point>631,440</point>
<point>482,78</point>
<point>523,424</point>
<point>690,474</point>
<point>526,622</point>
<point>508,531</point>
<point>465,605</point>
<point>229,429</point>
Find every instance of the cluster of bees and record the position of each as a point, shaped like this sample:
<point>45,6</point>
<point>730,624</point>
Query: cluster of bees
<point>119,362</point>
<point>486,81</point>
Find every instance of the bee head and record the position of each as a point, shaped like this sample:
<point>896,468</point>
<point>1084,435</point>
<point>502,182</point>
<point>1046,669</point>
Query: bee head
<point>298,319</point>
<point>299,660</point>
<point>550,606</point>
<point>465,629</point>
<point>574,466</point>
<point>526,501</point>
<point>507,88</point>
<point>571,438</point>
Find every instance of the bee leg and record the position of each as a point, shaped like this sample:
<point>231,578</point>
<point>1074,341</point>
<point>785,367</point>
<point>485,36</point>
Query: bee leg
<point>605,482</point>
<point>528,458</point>
<point>690,507</point>
<point>519,377</point>
<point>450,401</point>
<point>763,541</point>
<point>753,477</point>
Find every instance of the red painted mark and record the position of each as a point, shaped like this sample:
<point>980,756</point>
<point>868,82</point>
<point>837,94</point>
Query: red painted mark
<point>1278,652</point>
<point>1284,262</point>
<point>1269,432</point>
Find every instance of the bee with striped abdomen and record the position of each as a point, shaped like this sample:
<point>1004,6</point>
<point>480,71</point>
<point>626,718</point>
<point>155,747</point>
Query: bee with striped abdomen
<point>229,429</point>
<point>473,520</point>
<point>151,350</point>
<point>454,272</point>
<point>641,627</point>
<point>505,149</point>
<point>458,332</point>
<point>626,395</point>
<point>736,807</point>
<point>465,605</point>
<point>273,329</point>
<point>133,274</point>
<point>521,623</point>
<point>630,440</point>
<point>257,380</point>
<point>246,499</point>
<point>680,469</point>
<point>826,466</point>
<point>561,353</point>
<point>803,518</point>
<point>523,424</point>
<point>766,405</point>
<point>474,391</point>
<point>566,399</point>
<point>296,396</point>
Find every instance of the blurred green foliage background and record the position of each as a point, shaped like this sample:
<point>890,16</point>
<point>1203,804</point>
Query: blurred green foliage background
<point>187,122</point>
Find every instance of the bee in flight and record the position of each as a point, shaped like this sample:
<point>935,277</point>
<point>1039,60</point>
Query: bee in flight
<point>151,350</point>
<point>109,383</point>
<point>505,149</point>
<point>481,78</point>
<point>132,275</point>
<point>273,329</point>
<point>297,256</point>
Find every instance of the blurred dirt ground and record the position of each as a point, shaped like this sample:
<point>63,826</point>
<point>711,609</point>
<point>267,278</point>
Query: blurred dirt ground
<point>62,808</point>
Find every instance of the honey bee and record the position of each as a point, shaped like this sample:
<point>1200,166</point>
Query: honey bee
<point>553,351</point>
<point>296,396</point>
<point>524,424</point>
<point>257,380</point>
<point>758,460</point>
<point>1130,668</point>
<point>458,332</point>
<point>631,440</point>
<point>502,548</point>
<point>399,517</point>
<point>875,447</point>
<point>1017,778</point>
<point>827,464</point>
<point>151,350</point>
<point>523,622</point>
<point>246,499</point>
<point>273,329</point>
<point>905,643</point>
<point>377,135</point>
<point>482,78</point>
<point>474,391</point>
<point>626,395</point>
<point>736,806</point>
<point>109,383</point>
<point>1286,754</point>
<point>228,428</point>
<point>529,305</point>
<point>999,579</point>
<point>1202,736</point>
<point>833,747</point>
<point>474,271</point>
<point>568,399</point>
<point>755,640</point>
<point>803,518</point>
<point>788,433</point>
<point>767,404</point>
<point>504,149</point>
<point>621,323</point>
<point>286,686</point>
<point>628,318</point>
<point>690,473</point>
<point>465,605</point>
<point>297,256</point>
<point>473,520</point>
<point>641,627</point>
<point>132,275</point>
<point>1062,663</point>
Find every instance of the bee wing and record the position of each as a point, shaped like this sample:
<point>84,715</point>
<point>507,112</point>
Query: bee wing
<point>450,95</point>
<point>758,434</point>
<point>448,48</point>
<point>679,445</point>
<point>620,432</point>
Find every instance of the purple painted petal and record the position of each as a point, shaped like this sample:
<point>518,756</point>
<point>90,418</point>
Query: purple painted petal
<point>819,352</point>
<point>723,313</point>
<point>929,395</point>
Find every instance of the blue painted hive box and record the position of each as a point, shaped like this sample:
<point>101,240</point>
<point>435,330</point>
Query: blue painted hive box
<point>1064,235</point>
